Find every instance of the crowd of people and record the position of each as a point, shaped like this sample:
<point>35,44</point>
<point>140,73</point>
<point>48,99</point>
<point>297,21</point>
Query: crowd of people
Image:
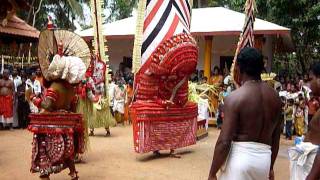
<point>19,89</point>
<point>121,93</point>
<point>299,104</point>
<point>15,87</point>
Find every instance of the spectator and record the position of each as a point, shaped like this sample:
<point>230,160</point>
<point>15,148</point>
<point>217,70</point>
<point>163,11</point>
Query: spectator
<point>216,77</point>
<point>289,118</point>
<point>34,85</point>
<point>119,100</point>
<point>299,118</point>
<point>17,81</point>
<point>204,80</point>
<point>23,105</point>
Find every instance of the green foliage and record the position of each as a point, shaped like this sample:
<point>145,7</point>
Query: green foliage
<point>120,9</point>
<point>209,3</point>
<point>64,13</point>
<point>302,17</point>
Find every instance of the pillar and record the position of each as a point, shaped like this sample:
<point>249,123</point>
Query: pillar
<point>207,57</point>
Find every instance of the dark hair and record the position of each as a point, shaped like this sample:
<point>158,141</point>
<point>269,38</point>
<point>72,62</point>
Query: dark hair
<point>130,82</point>
<point>250,61</point>
<point>291,101</point>
<point>216,68</point>
<point>316,69</point>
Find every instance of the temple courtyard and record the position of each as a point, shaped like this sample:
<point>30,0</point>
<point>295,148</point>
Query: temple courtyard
<point>113,158</point>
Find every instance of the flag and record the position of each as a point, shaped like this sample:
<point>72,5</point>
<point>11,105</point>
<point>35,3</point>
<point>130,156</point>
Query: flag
<point>246,37</point>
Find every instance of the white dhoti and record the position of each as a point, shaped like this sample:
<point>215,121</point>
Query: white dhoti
<point>118,106</point>
<point>301,160</point>
<point>247,161</point>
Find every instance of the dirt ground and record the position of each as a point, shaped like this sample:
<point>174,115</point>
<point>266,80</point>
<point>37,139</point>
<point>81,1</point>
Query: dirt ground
<point>113,158</point>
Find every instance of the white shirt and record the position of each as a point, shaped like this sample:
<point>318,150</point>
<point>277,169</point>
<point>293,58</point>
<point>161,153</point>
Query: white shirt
<point>227,80</point>
<point>17,82</point>
<point>203,109</point>
<point>111,89</point>
<point>35,86</point>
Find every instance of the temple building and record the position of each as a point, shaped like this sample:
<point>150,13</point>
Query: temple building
<point>16,36</point>
<point>217,31</point>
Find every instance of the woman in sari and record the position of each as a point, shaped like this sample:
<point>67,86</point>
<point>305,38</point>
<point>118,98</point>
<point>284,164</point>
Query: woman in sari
<point>216,78</point>
<point>129,96</point>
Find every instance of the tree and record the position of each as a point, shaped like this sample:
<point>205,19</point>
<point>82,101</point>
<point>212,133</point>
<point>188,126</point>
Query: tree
<point>120,9</point>
<point>64,12</point>
<point>301,16</point>
<point>208,3</point>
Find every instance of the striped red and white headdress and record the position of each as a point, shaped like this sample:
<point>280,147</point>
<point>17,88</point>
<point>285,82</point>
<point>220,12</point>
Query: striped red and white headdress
<point>163,19</point>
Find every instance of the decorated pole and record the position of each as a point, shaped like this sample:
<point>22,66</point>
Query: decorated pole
<point>99,42</point>
<point>138,38</point>
<point>246,38</point>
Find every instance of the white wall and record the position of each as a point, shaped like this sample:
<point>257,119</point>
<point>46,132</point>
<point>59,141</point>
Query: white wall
<point>119,48</point>
<point>226,46</point>
<point>222,46</point>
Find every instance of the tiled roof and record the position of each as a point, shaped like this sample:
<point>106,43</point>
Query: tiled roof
<point>18,27</point>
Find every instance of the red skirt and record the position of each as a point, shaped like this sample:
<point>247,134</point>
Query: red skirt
<point>6,106</point>
<point>57,138</point>
<point>157,128</point>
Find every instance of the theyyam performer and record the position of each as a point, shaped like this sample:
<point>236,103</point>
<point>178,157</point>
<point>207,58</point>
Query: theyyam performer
<point>58,131</point>
<point>165,55</point>
<point>248,143</point>
<point>94,102</point>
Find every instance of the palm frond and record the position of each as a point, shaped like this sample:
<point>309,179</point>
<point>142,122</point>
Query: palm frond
<point>76,8</point>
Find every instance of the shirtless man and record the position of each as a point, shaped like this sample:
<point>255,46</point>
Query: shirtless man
<point>6,99</point>
<point>313,135</point>
<point>249,140</point>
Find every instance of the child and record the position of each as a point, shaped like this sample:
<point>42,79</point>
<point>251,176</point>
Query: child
<point>220,115</point>
<point>289,118</point>
<point>222,95</point>
<point>299,118</point>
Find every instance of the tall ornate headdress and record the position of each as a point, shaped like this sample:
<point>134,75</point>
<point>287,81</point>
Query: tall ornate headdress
<point>72,45</point>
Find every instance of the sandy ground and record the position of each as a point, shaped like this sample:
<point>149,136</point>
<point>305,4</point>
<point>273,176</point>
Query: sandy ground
<point>113,158</point>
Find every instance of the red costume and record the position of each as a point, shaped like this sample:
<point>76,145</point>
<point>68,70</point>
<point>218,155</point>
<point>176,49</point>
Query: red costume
<point>58,131</point>
<point>163,119</point>
<point>57,138</point>
<point>6,107</point>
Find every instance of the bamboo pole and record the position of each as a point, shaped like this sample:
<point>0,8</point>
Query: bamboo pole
<point>136,57</point>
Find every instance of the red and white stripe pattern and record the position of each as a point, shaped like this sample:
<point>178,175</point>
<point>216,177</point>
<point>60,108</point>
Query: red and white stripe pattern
<point>163,19</point>
<point>247,35</point>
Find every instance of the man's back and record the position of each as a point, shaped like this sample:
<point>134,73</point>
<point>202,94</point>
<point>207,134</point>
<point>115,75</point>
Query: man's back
<point>259,108</point>
<point>248,143</point>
